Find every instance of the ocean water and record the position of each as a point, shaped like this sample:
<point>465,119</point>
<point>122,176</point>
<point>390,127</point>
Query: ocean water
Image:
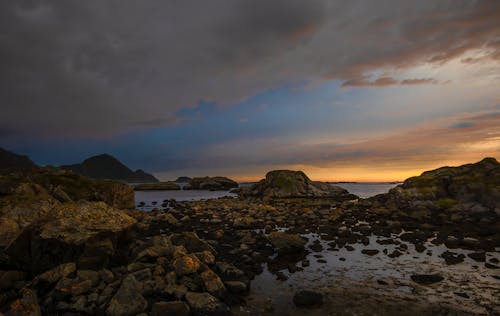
<point>344,270</point>
<point>367,189</point>
<point>154,199</point>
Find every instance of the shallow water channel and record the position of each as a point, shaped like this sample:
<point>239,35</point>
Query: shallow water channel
<point>348,278</point>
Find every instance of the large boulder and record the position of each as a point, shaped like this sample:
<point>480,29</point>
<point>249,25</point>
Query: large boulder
<point>70,231</point>
<point>28,197</point>
<point>211,183</point>
<point>294,184</point>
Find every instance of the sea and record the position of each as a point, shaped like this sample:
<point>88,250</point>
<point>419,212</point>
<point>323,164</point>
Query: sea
<point>149,200</point>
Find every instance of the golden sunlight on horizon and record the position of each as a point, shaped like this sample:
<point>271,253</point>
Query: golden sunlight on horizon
<point>362,173</point>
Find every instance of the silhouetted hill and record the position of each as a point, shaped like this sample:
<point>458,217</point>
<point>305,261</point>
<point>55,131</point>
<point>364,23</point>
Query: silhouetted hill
<point>10,160</point>
<point>108,167</point>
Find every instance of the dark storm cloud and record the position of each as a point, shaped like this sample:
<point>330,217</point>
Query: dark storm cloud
<point>91,68</point>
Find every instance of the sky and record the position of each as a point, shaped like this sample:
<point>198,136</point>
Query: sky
<point>344,90</point>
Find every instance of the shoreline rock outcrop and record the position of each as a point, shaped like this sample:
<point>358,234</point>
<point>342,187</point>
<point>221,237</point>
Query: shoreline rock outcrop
<point>464,194</point>
<point>294,184</point>
<point>211,184</point>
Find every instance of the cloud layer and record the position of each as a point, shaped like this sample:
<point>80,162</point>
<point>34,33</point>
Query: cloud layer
<point>93,68</point>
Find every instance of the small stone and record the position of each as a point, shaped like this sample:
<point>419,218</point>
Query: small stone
<point>236,287</point>
<point>9,279</point>
<point>91,275</point>
<point>286,243</point>
<point>106,275</point>
<point>307,298</point>
<point>186,265</point>
<point>25,306</point>
<point>370,252</point>
<point>177,308</point>
<point>280,276</point>
<point>477,256</point>
<point>394,254</point>
<point>491,266</point>
<point>204,304</point>
<point>462,294</point>
<point>452,258</point>
<point>427,278</point>
<point>213,284</point>
<point>349,248</point>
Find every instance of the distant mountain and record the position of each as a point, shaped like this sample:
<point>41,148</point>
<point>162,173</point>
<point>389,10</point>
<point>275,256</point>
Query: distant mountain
<point>108,167</point>
<point>10,160</point>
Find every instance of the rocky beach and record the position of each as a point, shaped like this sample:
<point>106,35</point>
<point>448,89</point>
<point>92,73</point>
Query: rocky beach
<point>286,245</point>
<point>250,158</point>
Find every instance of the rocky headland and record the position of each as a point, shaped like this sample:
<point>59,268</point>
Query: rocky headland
<point>75,246</point>
<point>108,167</point>
<point>10,161</point>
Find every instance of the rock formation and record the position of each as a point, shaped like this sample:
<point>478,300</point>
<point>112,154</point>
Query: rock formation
<point>294,184</point>
<point>211,183</point>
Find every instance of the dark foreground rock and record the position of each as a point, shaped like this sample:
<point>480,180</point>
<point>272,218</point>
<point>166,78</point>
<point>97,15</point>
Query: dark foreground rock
<point>87,232</point>
<point>307,298</point>
<point>293,184</point>
<point>211,183</point>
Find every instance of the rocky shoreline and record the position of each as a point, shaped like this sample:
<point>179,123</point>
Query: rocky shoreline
<point>79,247</point>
